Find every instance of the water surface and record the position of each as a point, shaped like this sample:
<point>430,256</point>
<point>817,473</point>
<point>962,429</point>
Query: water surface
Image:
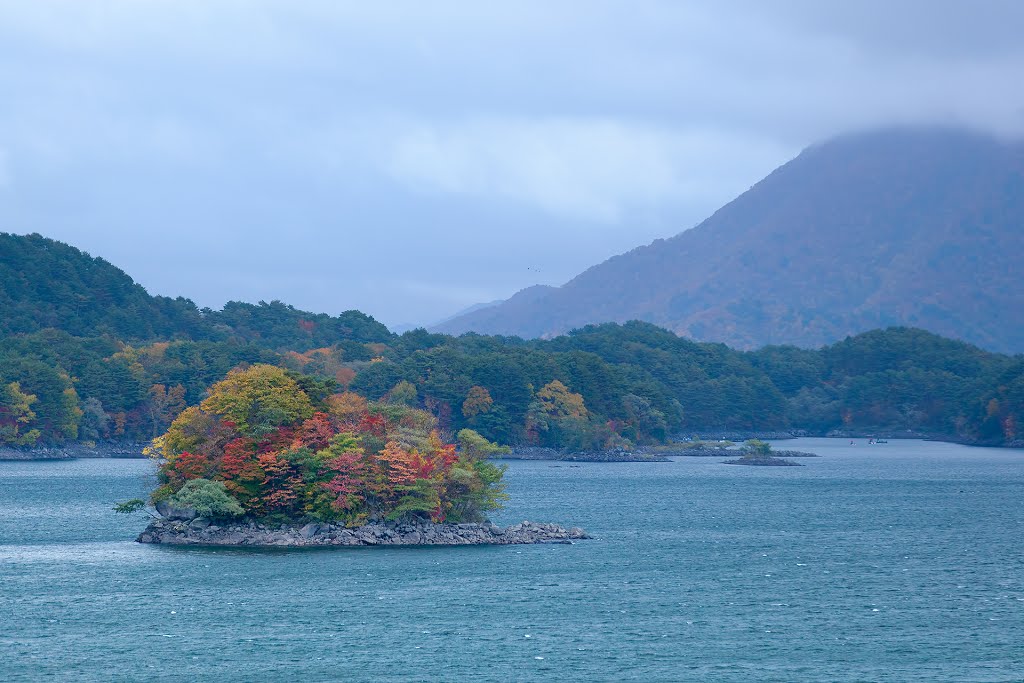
<point>897,562</point>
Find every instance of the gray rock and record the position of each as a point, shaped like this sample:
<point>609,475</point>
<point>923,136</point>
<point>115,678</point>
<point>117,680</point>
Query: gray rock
<point>613,455</point>
<point>171,512</point>
<point>762,462</point>
<point>171,531</point>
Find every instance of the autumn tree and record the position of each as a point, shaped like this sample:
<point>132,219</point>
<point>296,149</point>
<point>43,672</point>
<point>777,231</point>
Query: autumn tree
<point>16,416</point>
<point>557,416</point>
<point>344,376</point>
<point>478,400</point>
<point>258,399</point>
<point>347,408</point>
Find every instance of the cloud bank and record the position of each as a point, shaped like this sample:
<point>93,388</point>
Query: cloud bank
<point>410,159</point>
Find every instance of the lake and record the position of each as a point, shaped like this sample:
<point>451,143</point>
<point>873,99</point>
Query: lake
<point>894,562</point>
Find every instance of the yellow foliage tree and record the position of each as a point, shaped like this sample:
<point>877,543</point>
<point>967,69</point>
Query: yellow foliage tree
<point>15,415</point>
<point>258,399</point>
<point>478,400</point>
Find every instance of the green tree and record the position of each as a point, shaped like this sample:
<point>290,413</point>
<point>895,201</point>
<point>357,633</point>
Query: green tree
<point>475,446</point>
<point>164,404</point>
<point>755,448</point>
<point>132,506</point>
<point>402,394</point>
<point>209,499</point>
<point>95,423</point>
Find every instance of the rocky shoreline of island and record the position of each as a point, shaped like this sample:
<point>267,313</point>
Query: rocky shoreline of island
<point>251,534</point>
<point>108,449</point>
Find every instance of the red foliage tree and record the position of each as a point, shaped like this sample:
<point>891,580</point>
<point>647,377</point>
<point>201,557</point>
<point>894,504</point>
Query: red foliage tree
<point>187,466</point>
<point>348,480</point>
<point>315,433</point>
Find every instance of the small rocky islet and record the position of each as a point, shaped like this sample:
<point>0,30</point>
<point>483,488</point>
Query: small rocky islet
<point>762,462</point>
<point>262,463</point>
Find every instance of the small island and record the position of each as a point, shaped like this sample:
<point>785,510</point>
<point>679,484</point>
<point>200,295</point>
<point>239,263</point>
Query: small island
<point>618,454</point>
<point>274,459</point>
<point>759,454</point>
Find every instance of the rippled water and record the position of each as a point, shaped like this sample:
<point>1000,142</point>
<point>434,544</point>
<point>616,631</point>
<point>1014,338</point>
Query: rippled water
<point>899,562</point>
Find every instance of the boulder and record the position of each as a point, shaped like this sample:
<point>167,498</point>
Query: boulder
<point>169,511</point>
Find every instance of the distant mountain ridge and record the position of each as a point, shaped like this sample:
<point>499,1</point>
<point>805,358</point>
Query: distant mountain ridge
<point>917,227</point>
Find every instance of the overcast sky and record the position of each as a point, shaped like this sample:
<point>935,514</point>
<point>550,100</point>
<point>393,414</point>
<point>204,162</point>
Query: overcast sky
<point>410,159</point>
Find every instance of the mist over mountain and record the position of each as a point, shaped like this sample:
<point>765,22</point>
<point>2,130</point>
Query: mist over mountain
<point>919,227</point>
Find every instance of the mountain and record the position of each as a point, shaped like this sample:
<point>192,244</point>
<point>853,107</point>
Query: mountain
<point>917,227</point>
<point>46,284</point>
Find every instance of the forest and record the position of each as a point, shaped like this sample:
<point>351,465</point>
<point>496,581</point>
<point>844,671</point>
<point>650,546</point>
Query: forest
<point>86,355</point>
<point>600,387</point>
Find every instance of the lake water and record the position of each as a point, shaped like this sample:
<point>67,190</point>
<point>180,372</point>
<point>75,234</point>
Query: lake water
<point>896,562</point>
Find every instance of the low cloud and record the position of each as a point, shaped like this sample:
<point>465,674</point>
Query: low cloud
<point>586,168</point>
<point>453,294</point>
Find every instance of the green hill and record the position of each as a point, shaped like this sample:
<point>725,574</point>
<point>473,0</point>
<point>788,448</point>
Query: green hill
<point>46,284</point>
<point>49,284</point>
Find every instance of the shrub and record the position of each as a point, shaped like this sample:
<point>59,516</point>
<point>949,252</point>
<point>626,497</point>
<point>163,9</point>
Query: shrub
<point>208,498</point>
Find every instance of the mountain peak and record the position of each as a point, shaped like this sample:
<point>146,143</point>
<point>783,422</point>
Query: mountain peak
<point>896,226</point>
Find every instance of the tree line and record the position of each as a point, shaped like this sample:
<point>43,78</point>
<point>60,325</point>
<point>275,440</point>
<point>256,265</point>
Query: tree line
<point>602,386</point>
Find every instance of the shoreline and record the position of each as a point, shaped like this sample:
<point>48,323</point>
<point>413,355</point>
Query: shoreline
<point>133,451</point>
<point>202,532</point>
<point>555,454</point>
<point>128,450</point>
